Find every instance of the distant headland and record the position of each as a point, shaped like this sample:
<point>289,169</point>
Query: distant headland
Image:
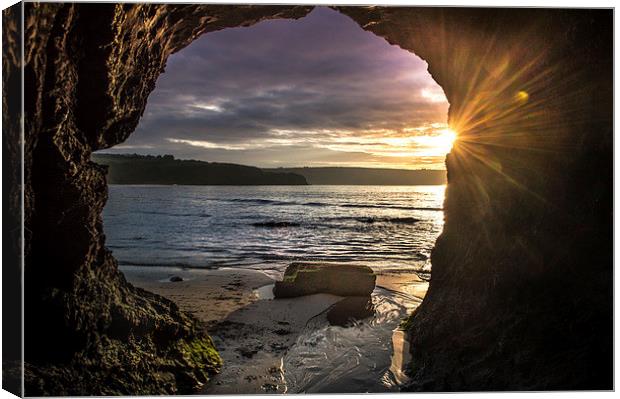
<point>165,169</point>
<point>368,176</point>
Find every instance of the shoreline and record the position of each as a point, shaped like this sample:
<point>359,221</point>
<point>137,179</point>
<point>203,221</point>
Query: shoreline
<point>261,339</point>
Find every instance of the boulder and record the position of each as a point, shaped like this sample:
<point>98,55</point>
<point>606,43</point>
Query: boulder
<point>337,279</point>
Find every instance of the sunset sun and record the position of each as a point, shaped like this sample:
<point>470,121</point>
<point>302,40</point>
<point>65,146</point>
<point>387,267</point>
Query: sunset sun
<point>446,139</point>
<point>436,143</point>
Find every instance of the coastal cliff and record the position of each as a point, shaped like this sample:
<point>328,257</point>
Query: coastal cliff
<point>88,70</point>
<point>521,289</point>
<point>521,293</point>
<point>367,176</point>
<point>140,169</point>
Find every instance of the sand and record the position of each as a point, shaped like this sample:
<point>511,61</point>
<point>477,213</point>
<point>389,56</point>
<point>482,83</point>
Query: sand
<point>251,330</point>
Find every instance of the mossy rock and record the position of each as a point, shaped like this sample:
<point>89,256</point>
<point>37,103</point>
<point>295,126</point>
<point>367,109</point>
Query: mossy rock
<point>338,279</point>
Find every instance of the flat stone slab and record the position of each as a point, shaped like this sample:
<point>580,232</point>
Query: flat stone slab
<point>337,279</point>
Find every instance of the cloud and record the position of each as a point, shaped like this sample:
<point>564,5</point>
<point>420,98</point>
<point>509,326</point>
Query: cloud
<point>313,90</point>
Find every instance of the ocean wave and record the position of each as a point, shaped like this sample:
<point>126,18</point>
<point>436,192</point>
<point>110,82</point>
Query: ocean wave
<point>276,224</point>
<point>184,265</point>
<point>393,220</point>
<point>200,215</point>
<point>263,229</point>
<point>262,201</point>
<point>364,220</point>
<point>400,207</point>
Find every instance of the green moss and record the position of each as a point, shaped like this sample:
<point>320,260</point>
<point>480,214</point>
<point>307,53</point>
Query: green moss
<point>130,367</point>
<point>295,269</point>
<point>201,353</point>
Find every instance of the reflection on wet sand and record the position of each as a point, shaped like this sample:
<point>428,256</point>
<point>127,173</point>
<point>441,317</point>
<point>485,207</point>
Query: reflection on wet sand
<point>400,356</point>
<point>358,358</point>
<point>290,345</point>
<point>349,310</point>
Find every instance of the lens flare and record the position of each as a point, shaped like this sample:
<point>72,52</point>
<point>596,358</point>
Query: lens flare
<point>439,143</point>
<point>522,96</point>
<point>445,140</point>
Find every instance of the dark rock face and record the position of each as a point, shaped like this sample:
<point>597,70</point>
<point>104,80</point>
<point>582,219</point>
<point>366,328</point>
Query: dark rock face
<point>521,291</point>
<point>313,278</point>
<point>11,197</point>
<point>88,71</point>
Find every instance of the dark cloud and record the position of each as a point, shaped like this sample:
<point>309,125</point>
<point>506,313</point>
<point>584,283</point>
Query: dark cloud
<point>310,91</point>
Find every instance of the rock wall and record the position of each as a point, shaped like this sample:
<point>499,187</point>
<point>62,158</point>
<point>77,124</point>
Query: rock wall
<point>89,69</point>
<point>522,282</point>
<point>11,201</point>
<point>521,291</point>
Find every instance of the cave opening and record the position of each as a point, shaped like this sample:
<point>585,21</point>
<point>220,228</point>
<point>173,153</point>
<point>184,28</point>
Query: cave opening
<point>489,307</point>
<point>305,140</point>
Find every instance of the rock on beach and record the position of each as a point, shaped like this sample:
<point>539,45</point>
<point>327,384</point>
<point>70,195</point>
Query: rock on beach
<point>337,279</point>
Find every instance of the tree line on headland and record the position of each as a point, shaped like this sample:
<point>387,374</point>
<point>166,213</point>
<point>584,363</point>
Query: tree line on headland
<point>165,169</point>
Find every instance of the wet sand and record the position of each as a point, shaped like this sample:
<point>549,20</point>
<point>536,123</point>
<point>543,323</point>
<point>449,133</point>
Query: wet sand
<point>252,331</point>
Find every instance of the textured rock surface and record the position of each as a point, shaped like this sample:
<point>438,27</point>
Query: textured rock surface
<point>521,291</point>
<point>313,278</point>
<point>11,201</point>
<point>88,71</point>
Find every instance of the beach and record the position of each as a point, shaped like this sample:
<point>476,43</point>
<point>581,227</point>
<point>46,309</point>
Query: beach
<point>226,247</point>
<point>286,345</point>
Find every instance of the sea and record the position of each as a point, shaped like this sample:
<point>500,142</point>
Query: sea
<point>389,228</point>
<point>392,229</point>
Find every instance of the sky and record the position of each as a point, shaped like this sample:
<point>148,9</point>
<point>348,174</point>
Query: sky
<point>318,91</point>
